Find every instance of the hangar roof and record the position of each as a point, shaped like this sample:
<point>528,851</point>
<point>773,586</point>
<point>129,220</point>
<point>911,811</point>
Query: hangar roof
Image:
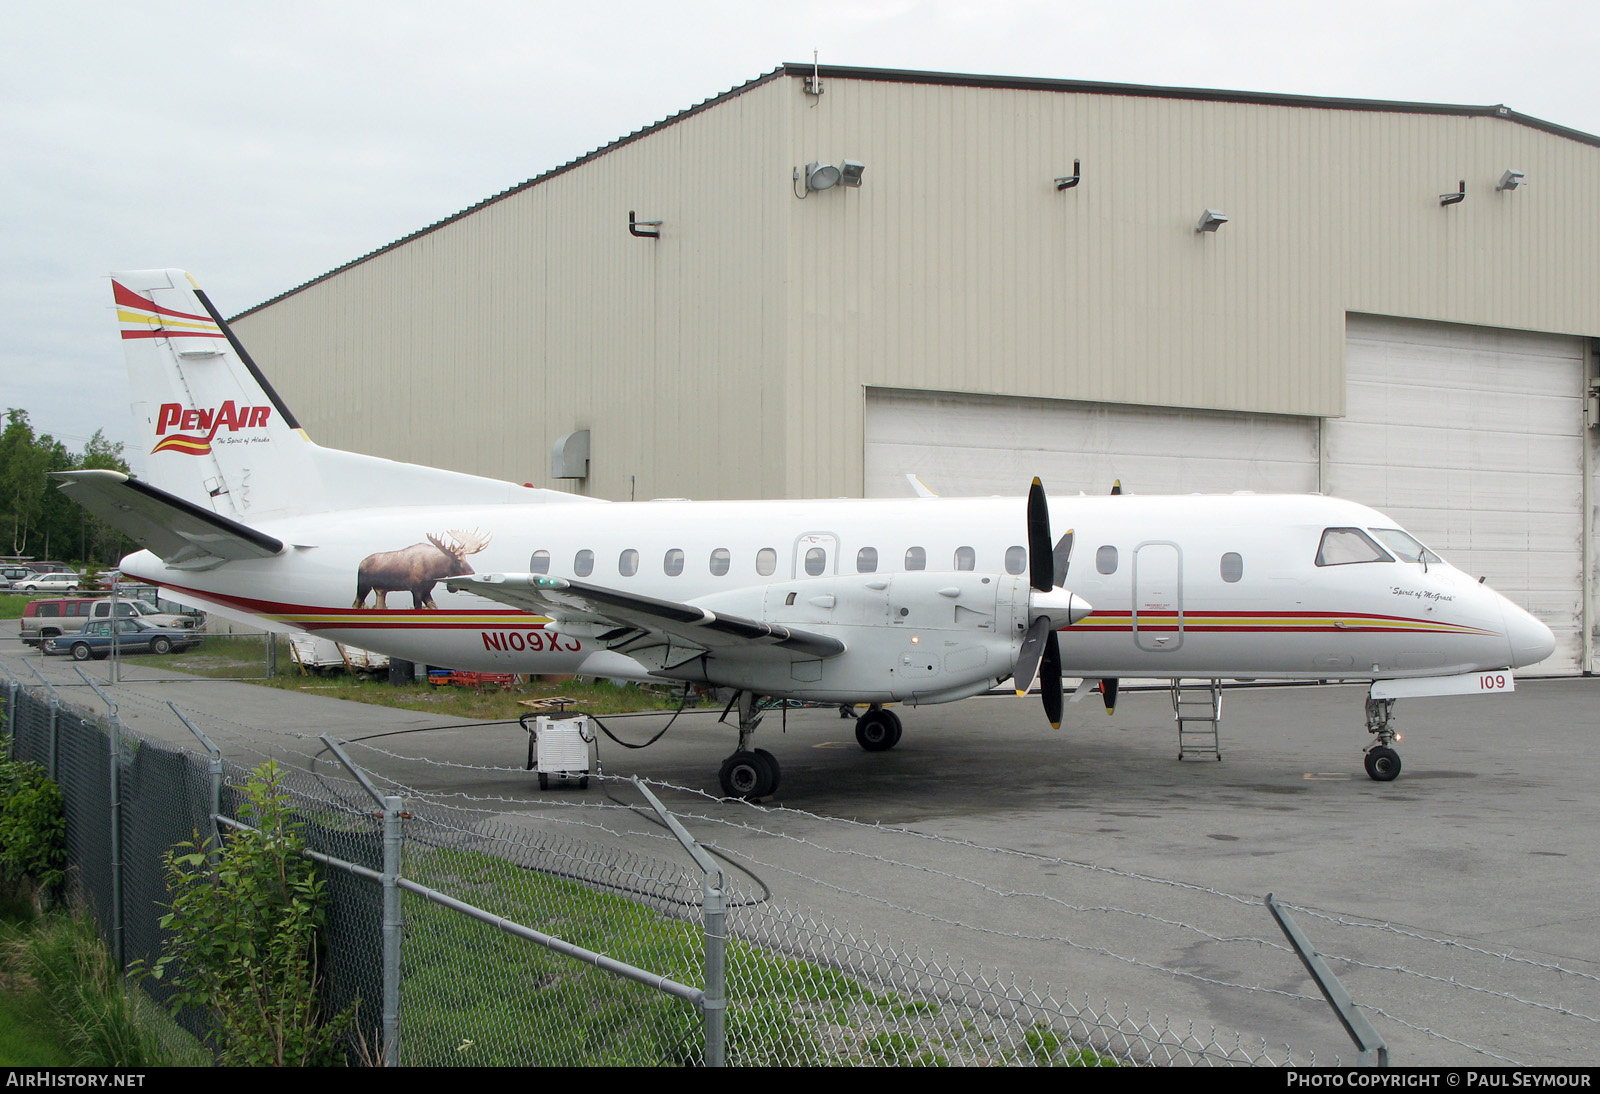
<point>956,79</point>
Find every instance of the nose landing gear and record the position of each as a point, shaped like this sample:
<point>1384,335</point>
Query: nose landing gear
<point>1382,761</point>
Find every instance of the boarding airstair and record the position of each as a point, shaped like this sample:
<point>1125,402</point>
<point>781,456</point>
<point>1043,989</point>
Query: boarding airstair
<point>1197,708</point>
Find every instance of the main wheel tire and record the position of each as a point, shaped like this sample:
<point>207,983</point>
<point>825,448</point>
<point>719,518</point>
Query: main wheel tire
<point>745,775</point>
<point>161,645</point>
<point>1383,764</point>
<point>877,730</point>
<point>81,652</point>
<point>544,780</point>
<point>774,772</point>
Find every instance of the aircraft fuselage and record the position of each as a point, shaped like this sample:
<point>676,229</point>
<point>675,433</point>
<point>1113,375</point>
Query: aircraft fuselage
<point>1196,586</point>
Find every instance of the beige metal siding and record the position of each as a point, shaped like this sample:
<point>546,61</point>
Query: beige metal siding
<point>476,345</point>
<point>731,357</point>
<point>959,267</point>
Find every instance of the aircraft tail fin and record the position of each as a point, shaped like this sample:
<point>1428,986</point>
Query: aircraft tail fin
<point>219,437</point>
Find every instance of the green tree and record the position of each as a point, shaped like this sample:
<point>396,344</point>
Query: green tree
<point>39,518</point>
<point>23,464</point>
<point>101,542</point>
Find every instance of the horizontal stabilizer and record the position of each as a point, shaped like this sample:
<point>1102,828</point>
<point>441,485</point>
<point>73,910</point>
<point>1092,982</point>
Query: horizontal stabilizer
<point>182,534</point>
<point>580,602</point>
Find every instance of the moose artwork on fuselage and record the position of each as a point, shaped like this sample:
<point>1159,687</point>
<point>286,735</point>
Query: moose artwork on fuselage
<point>418,568</point>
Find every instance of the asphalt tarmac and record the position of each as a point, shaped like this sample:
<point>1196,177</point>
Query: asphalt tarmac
<point>1457,903</point>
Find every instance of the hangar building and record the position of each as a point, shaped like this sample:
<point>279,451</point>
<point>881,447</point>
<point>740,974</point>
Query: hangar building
<point>1033,277</point>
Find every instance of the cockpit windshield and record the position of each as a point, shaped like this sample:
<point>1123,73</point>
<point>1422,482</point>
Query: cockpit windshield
<point>1344,546</point>
<point>1405,548</point>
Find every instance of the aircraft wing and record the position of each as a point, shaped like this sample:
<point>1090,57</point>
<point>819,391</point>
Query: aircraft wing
<point>184,535</point>
<point>662,630</point>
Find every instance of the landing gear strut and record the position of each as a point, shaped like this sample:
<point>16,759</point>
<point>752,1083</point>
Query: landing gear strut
<point>750,773</point>
<point>878,730</point>
<point>1382,761</point>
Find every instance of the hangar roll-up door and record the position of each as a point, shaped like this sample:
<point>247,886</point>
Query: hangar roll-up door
<point>983,445</point>
<point>1473,439</point>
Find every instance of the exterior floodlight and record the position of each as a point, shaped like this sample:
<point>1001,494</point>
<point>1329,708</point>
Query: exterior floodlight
<point>1511,180</point>
<point>1211,220</point>
<point>822,176</point>
<point>850,173</point>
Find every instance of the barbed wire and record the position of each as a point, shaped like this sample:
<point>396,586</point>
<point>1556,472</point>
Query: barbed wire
<point>1343,920</point>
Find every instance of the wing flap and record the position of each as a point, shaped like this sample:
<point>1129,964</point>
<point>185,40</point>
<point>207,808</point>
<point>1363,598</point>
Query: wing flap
<point>686,624</point>
<point>182,534</point>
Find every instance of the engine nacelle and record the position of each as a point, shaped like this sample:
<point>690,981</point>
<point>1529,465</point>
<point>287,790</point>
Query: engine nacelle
<point>928,636</point>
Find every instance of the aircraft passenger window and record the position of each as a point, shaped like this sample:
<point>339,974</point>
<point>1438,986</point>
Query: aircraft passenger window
<point>583,563</point>
<point>720,560</point>
<point>816,561</point>
<point>539,563</point>
<point>1232,566</point>
<point>1405,548</point>
<point>1344,546</point>
<point>628,562</point>
<point>916,558</point>
<point>966,558</point>
<point>1105,559</point>
<point>1016,560</point>
<point>867,560</point>
<point>673,562</point>
<point>766,561</point>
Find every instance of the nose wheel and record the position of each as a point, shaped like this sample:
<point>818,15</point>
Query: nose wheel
<point>1382,761</point>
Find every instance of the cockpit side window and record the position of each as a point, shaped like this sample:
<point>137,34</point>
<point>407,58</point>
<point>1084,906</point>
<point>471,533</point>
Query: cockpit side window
<point>1344,546</point>
<point>1404,546</point>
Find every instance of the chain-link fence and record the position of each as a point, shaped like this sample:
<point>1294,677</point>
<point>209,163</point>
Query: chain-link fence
<point>491,938</point>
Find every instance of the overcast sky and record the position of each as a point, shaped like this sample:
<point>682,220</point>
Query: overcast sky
<point>259,145</point>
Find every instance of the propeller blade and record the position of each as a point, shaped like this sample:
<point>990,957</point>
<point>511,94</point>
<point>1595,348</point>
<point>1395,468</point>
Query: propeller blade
<point>1116,486</point>
<point>1050,680</point>
<point>1033,646</point>
<point>1108,692</point>
<point>1039,556</point>
<point>1063,555</point>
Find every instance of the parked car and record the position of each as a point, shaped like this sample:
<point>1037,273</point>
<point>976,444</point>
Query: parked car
<point>132,636</point>
<point>43,619</point>
<point>50,583</point>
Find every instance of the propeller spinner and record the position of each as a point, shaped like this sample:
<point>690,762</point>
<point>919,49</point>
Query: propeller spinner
<point>1050,607</point>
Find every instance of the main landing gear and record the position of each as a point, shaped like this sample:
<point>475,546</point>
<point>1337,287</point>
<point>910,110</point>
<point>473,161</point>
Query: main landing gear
<point>1382,762</point>
<point>750,773</point>
<point>878,730</point>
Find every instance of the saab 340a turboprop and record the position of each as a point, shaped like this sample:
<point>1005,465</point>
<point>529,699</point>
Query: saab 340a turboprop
<point>924,600</point>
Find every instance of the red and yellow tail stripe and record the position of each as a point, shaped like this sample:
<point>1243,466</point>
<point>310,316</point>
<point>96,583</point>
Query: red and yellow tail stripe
<point>142,318</point>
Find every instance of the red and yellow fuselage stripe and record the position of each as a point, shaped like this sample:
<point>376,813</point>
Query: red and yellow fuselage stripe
<point>311,618</point>
<point>1273,623</point>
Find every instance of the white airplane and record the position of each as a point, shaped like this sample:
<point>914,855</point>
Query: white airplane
<point>922,600</point>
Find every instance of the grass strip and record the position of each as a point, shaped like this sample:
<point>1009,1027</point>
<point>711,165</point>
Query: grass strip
<point>472,994</point>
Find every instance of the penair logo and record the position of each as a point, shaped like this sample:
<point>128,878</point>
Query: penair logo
<point>225,417</point>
